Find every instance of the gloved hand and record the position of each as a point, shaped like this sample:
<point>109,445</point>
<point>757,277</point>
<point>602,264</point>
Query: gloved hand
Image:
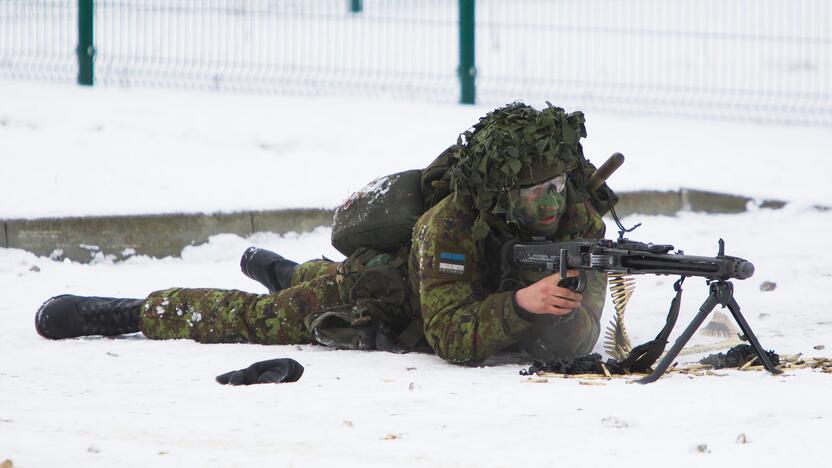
<point>271,371</point>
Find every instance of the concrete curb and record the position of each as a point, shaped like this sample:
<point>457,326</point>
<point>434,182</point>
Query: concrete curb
<point>669,203</point>
<point>84,239</point>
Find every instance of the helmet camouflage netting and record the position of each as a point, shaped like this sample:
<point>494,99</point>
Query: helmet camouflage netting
<point>511,146</point>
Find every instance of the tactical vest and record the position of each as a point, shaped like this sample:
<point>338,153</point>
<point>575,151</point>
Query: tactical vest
<point>378,308</point>
<point>373,230</point>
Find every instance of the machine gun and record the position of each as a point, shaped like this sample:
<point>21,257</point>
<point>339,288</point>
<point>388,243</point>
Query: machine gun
<point>622,256</point>
<point>630,257</point>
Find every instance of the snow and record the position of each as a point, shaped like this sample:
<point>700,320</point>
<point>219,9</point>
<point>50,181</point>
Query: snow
<point>106,151</point>
<point>135,402</point>
<point>377,187</point>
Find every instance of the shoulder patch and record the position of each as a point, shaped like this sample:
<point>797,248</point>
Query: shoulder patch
<point>452,262</point>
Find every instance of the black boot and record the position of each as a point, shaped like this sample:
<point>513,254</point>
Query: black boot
<point>70,316</point>
<point>267,268</point>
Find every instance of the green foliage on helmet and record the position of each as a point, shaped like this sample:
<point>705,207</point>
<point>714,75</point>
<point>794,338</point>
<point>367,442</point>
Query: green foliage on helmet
<point>511,146</point>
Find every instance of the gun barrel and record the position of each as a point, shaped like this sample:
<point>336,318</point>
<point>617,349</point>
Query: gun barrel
<point>603,173</point>
<point>743,269</point>
<point>723,268</point>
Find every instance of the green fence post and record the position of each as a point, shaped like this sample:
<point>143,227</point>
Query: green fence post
<point>467,57</point>
<point>86,51</point>
<point>356,6</point>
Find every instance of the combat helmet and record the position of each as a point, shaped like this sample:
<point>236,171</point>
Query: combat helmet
<point>511,146</point>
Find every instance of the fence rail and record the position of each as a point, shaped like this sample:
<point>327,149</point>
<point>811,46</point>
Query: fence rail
<point>753,60</point>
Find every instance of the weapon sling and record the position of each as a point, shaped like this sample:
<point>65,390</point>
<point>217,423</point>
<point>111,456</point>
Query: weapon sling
<point>644,355</point>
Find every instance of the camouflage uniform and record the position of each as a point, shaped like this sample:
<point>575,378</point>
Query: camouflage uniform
<point>465,318</point>
<point>232,316</point>
<point>448,287</point>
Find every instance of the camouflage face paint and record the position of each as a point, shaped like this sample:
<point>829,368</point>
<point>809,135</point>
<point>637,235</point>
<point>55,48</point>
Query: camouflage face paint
<point>538,208</point>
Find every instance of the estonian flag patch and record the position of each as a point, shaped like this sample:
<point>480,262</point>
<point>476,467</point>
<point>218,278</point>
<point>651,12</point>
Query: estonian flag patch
<point>450,262</point>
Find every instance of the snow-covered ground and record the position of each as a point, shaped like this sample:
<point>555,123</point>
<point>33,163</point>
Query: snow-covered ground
<point>136,402</point>
<point>73,151</point>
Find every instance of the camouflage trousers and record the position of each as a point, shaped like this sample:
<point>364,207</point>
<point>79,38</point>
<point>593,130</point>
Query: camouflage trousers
<point>232,316</point>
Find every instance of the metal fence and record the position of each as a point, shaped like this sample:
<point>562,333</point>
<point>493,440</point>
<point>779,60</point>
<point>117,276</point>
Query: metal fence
<point>757,60</point>
<point>38,39</point>
<point>296,46</point>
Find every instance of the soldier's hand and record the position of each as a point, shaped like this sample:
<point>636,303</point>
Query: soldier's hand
<point>546,297</point>
<point>271,371</point>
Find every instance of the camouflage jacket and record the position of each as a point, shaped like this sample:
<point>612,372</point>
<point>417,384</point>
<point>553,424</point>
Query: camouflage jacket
<point>466,319</point>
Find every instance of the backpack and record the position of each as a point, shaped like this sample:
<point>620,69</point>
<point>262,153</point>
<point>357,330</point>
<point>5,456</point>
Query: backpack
<point>381,216</point>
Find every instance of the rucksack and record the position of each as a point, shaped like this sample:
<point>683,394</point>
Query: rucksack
<point>381,216</point>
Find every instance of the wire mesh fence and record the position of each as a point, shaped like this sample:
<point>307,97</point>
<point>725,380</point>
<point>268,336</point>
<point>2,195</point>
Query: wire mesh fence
<point>295,46</point>
<point>763,60</point>
<point>38,39</point>
<point>757,60</point>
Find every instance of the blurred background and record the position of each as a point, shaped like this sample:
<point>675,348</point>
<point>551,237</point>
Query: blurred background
<point>744,60</point>
<point>259,109</point>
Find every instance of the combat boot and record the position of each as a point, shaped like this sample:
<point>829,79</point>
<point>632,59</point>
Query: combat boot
<point>70,316</point>
<point>267,268</point>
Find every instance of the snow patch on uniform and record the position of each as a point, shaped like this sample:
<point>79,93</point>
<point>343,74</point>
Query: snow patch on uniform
<point>196,317</point>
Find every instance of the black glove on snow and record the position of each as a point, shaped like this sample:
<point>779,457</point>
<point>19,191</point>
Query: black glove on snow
<point>271,371</point>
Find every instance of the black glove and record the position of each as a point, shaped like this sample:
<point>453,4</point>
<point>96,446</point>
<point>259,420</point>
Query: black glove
<point>271,371</point>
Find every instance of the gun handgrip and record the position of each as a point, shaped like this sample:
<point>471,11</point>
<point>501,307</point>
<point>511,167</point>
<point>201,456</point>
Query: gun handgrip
<point>574,283</point>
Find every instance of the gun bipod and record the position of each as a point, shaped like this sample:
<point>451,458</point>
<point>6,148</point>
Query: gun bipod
<point>721,293</point>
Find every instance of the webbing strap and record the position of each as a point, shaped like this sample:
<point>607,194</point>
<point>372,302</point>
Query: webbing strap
<point>643,356</point>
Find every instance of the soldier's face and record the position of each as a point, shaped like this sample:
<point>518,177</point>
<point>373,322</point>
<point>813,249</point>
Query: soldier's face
<point>538,208</point>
